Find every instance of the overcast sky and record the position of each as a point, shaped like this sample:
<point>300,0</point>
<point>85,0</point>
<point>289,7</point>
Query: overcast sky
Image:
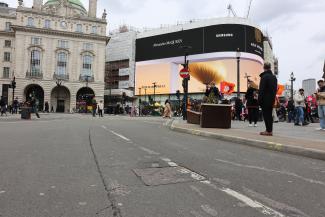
<point>296,26</point>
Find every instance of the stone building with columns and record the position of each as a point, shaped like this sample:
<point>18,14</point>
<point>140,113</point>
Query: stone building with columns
<point>55,50</point>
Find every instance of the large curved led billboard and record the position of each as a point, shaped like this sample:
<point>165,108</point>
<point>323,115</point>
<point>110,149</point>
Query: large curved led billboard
<point>212,53</point>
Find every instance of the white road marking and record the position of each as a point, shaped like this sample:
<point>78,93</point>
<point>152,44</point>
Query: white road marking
<point>206,208</point>
<point>104,127</point>
<point>246,200</point>
<point>41,194</point>
<point>166,159</point>
<point>274,171</point>
<point>119,135</point>
<point>172,164</point>
<point>82,203</point>
<point>53,187</point>
<point>197,190</point>
<point>149,151</point>
<point>251,203</point>
<point>2,192</point>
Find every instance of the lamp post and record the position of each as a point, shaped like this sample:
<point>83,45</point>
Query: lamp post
<point>292,79</point>
<point>154,91</point>
<point>238,54</point>
<point>186,50</point>
<point>139,101</point>
<point>145,94</point>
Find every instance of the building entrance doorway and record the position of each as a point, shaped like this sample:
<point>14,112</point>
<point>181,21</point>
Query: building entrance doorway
<point>60,99</point>
<point>60,107</point>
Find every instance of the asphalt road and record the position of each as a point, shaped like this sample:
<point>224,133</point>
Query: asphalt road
<point>78,166</point>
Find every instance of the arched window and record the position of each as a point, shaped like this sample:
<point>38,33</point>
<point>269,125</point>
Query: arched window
<point>62,64</point>
<point>35,63</point>
<point>87,63</point>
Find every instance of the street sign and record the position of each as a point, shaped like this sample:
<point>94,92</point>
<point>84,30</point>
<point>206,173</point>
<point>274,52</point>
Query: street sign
<point>184,73</point>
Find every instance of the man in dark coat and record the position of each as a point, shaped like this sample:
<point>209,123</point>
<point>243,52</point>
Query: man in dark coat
<point>267,92</point>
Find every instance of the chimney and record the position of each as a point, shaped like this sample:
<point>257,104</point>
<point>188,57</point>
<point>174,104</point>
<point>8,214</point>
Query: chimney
<point>37,5</point>
<point>92,8</point>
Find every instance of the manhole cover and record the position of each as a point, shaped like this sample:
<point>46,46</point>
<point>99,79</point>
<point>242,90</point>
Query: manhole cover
<point>167,175</point>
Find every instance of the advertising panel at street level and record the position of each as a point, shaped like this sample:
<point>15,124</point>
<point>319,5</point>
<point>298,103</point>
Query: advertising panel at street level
<point>166,75</point>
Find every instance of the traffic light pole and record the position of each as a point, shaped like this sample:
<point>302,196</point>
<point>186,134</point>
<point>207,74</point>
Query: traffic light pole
<point>13,85</point>
<point>185,87</point>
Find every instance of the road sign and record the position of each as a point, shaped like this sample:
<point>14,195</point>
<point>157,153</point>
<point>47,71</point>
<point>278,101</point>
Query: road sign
<point>184,73</point>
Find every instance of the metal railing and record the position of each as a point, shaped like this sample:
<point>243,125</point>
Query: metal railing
<point>34,74</point>
<point>61,76</point>
<point>87,78</point>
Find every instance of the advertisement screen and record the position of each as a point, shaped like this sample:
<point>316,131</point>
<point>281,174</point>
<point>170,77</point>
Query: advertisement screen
<point>167,79</point>
<point>210,39</point>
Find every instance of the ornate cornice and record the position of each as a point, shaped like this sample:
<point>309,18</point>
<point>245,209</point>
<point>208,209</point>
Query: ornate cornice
<point>60,33</point>
<point>44,13</point>
<point>7,33</point>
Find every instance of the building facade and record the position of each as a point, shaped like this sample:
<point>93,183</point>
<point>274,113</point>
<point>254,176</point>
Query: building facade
<point>120,67</point>
<point>54,51</point>
<point>122,52</point>
<point>309,85</point>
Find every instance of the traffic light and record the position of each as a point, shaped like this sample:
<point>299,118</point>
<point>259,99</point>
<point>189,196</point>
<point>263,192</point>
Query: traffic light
<point>178,95</point>
<point>13,83</point>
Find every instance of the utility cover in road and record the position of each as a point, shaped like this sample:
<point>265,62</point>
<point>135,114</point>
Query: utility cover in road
<point>167,175</point>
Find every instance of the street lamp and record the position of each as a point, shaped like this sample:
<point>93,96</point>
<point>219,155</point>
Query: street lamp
<point>238,55</point>
<point>292,79</point>
<point>145,94</point>
<point>154,91</point>
<point>139,101</point>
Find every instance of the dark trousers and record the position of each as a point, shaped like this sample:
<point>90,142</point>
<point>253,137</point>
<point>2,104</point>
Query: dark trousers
<point>100,112</point>
<point>253,115</point>
<point>268,119</point>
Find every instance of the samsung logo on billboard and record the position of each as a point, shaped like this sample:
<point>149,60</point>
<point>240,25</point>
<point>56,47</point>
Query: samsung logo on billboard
<point>224,35</point>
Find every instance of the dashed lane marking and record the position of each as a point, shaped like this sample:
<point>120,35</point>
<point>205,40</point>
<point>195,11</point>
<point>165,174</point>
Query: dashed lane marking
<point>116,134</point>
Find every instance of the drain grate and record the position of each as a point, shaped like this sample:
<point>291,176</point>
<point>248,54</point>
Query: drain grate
<point>167,175</point>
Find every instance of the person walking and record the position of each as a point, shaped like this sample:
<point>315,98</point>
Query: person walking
<point>167,110</point>
<point>252,103</point>
<point>94,107</point>
<point>100,108</point>
<point>239,108</point>
<point>266,97</point>
<point>291,110</point>
<point>3,106</point>
<point>320,96</point>
<point>15,106</point>
<point>35,104</point>
<point>47,107</point>
<point>299,99</point>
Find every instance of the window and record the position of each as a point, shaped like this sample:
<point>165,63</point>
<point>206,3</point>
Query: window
<point>88,46</point>
<point>47,24</point>
<point>7,56</point>
<point>79,28</point>
<point>7,43</point>
<point>87,65</point>
<point>30,21</point>
<point>63,44</point>
<point>6,71</point>
<point>35,62</point>
<point>36,41</point>
<point>94,30</point>
<point>8,24</point>
<point>62,64</point>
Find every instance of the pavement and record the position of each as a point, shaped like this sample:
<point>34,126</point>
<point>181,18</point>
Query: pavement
<point>305,141</point>
<point>80,166</point>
